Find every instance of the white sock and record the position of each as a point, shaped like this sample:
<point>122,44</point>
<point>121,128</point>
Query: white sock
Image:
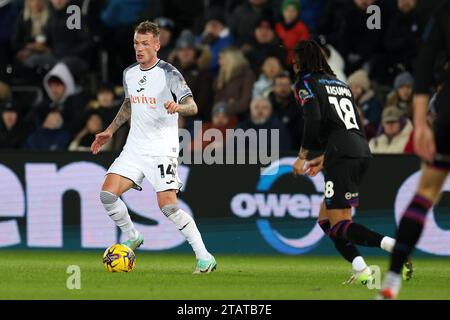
<point>393,281</point>
<point>188,228</point>
<point>388,244</point>
<point>359,264</point>
<point>118,212</point>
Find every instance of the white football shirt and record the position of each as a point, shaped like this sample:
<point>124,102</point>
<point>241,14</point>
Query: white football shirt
<point>153,131</point>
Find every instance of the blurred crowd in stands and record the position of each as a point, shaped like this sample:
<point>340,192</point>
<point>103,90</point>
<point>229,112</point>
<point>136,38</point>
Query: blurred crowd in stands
<point>59,87</point>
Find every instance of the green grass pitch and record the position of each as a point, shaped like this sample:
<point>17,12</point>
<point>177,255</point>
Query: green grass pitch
<point>42,275</point>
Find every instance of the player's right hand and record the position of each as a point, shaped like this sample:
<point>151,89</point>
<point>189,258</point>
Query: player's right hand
<point>424,144</point>
<point>100,140</point>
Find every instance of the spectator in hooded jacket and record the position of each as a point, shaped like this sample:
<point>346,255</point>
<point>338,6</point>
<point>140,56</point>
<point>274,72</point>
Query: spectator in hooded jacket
<point>291,30</point>
<point>395,135</point>
<point>366,101</point>
<point>63,95</point>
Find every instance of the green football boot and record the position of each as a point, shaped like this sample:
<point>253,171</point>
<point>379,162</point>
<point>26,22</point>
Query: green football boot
<point>134,244</point>
<point>205,266</point>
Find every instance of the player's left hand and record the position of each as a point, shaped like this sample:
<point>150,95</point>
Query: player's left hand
<point>314,166</point>
<point>424,144</point>
<point>298,167</point>
<point>171,107</point>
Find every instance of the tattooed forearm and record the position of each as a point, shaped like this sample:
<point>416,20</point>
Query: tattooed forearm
<point>188,107</point>
<point>122,116</point>
<point>303,154</point>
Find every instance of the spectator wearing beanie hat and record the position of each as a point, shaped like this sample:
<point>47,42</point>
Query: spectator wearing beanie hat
<point>291,30</point>
<point>402,95</point>
<point>216,35</point>
<point>366,101</point>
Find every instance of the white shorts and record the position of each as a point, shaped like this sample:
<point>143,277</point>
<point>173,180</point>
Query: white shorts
<point>160,171</point>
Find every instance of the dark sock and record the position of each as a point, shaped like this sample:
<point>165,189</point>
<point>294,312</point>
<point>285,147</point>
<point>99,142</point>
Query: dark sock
<point>344,247</point>
<point>356,233</point>
<point>409,231</point>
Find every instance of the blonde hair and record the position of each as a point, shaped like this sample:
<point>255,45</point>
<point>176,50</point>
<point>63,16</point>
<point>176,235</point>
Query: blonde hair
<point>39,21</point>
<point>234,60</point>
<point>148,27</point>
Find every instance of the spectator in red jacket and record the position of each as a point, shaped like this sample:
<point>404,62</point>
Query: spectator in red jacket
<point>291,30</point>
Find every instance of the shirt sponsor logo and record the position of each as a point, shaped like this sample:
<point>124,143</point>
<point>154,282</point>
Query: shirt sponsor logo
<point>143,100</point>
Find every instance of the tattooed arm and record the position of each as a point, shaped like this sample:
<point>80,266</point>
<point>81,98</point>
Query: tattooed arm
<point>122,116</point>
<point>187,108</point>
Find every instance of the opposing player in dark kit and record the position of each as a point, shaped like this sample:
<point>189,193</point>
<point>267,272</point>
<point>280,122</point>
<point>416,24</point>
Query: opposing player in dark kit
<point>433,146</point>
<point>332,126</point>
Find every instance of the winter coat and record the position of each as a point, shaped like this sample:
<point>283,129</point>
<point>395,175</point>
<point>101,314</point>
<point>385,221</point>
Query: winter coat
<point>73,104</point>
<point>290,35</point>
<point>396,145</point>
<point>237,92</point>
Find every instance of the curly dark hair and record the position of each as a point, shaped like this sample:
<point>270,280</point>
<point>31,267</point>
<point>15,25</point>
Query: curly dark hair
<point>308,57</point>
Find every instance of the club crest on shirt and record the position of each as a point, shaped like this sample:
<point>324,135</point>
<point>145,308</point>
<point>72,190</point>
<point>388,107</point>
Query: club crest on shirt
<point>143,81</point>
<point>304,94</point>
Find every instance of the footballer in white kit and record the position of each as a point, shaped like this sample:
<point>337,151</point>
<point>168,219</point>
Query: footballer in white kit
<point>155,93</point>
<point>152,146</point>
